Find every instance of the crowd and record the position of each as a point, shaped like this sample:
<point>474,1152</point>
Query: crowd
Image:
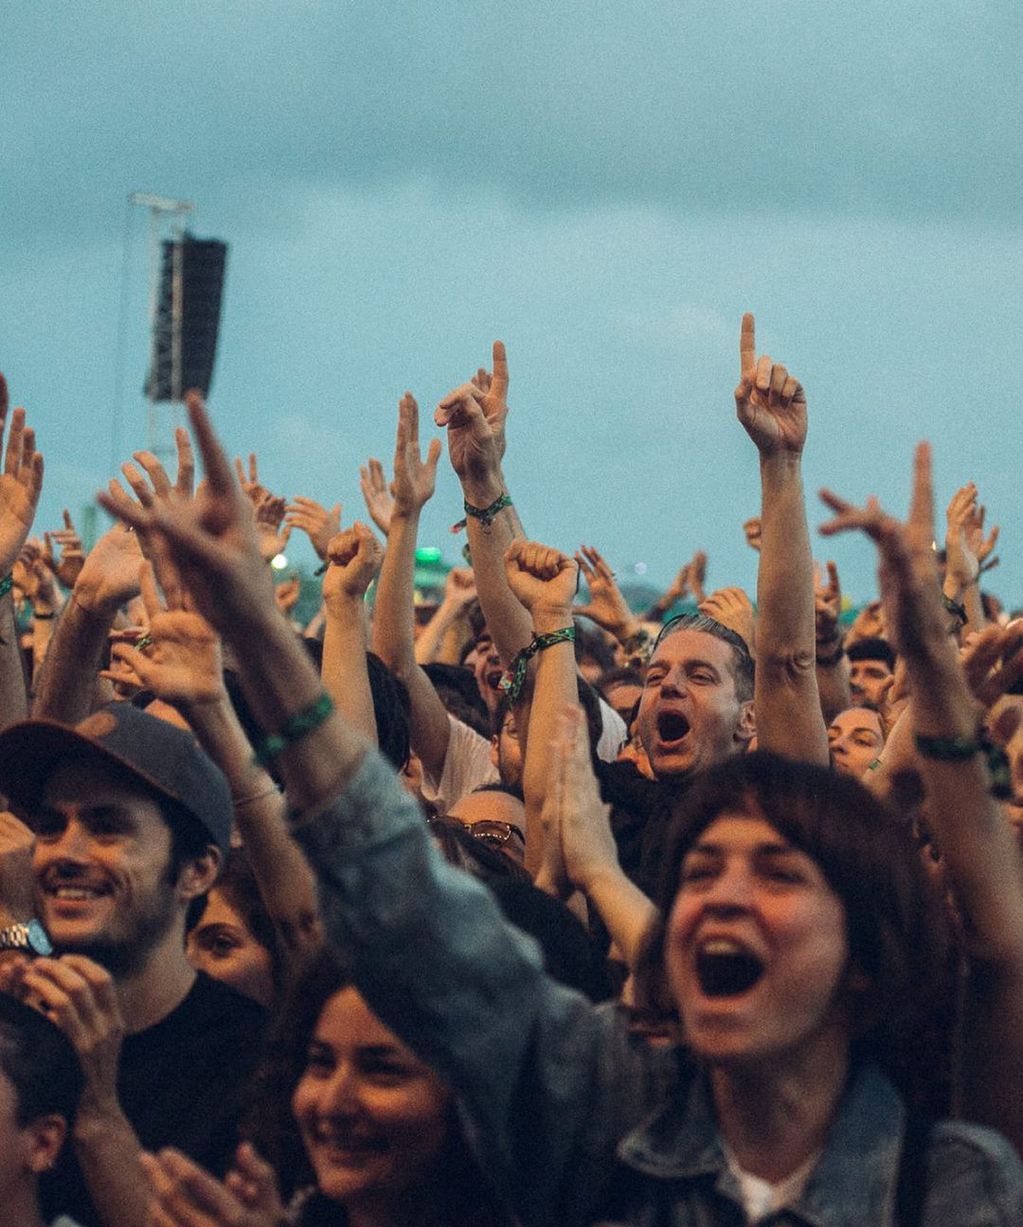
<point>527,911</point>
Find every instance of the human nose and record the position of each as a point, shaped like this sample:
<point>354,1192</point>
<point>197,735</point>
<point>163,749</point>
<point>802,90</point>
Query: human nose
<point>68,846</point>
<point>731,890</point>
<point>340,1094</point>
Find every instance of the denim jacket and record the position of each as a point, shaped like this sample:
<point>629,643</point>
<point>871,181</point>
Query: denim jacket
<point>576,1119</point>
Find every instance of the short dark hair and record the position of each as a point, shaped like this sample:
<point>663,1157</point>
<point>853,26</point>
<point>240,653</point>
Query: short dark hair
<point>872,647</point>
<point>40,1063</point>
<point>895,924</point>
<point>742,661</point>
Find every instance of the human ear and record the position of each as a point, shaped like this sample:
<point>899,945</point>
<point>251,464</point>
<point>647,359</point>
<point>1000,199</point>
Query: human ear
<point>746,725</point>
<point>199,873</point>
<point>45,1136</point>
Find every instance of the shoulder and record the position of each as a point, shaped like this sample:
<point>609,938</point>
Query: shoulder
<point>974,1176</point>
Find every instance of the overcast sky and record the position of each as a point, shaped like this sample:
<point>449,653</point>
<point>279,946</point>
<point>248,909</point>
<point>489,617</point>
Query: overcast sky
<point>606,187</point>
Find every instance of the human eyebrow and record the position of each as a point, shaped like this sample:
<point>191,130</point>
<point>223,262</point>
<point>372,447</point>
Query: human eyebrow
<point>692,666</point>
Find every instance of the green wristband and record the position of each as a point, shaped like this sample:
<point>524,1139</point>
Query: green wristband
<point>294,729</point>
<point>515,678</point>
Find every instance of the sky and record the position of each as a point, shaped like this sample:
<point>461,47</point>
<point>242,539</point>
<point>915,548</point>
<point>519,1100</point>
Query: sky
<point>605,187</point>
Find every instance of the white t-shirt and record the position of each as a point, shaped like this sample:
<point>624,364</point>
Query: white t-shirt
<point>467,763</point>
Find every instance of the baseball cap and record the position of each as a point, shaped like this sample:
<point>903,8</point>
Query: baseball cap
<point>165,759</point>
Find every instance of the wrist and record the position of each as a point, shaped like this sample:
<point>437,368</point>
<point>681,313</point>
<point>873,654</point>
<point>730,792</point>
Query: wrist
<point>482,491</point>
<point>93,604</point>
<point>550,618</point>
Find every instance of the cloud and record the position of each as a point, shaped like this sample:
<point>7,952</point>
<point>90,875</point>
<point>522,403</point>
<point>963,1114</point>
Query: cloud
<point>771,105</point>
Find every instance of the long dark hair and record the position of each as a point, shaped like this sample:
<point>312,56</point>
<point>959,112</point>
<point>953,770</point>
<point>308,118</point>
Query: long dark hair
<point>461,1190</point>
<point>896,926</point>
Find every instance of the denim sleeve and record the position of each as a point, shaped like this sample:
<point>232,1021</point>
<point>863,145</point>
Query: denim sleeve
<point>547,1083</point>
<point>974,1178</point>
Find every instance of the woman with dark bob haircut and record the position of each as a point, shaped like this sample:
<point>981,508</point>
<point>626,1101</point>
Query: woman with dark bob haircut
<point>895,925</point>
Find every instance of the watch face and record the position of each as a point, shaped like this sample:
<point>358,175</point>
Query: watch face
<point>38,942</point>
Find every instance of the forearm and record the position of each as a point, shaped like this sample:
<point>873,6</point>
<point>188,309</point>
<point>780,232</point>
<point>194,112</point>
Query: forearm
<point>285,880</point>
<point>13,694</point>
<point>434,635</point>
<point>280,681</point>
<point>789,719</point>
<point>394,608</point>
<point>976,840</point>
<point>554,689</point>
<point>108,1151</point>
<point>66,685</point>
<point>626,912</point>
<point>344,670</point>
<point>508,622</point>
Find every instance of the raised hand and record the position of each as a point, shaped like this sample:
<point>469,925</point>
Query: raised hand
<point>249,480</point>
<point>769,402</point>
<point>377,494</point>
<point>414,478</point>
<point>752,532</point>
<point>827,599</point>
<point>542,578</point>
<point>460,588</point>
<point>966,547</point>
<point>20,483</point>
<point>110,573</point>
<point>269,516</point>
<point>34,580</point>
<point>475,415</point>
<point>315,521</point>
<point>286,594</point>
<point>179,657</point>
<point>355,557</point>
<point>606,605</point>
<point>72,556</point>
<point>732,608</point>
<point>212,538</point>
<point>908,575</point>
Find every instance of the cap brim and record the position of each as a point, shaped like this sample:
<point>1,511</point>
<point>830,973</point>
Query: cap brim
<point>30,752</point>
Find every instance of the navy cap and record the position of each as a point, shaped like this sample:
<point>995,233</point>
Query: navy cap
<point>166,759</point>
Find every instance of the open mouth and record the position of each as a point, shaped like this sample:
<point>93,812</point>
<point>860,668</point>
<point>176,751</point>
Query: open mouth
<point>672,726</point>
<point>726,969</point>
<point>493,678</point>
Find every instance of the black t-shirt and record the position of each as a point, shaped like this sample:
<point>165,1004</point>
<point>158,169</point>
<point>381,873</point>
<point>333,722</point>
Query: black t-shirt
<point>182,1082</point>
<point>641,811</point>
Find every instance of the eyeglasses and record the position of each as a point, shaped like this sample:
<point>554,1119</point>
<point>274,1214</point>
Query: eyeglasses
<point>495,832</point>
<point>490,830</point>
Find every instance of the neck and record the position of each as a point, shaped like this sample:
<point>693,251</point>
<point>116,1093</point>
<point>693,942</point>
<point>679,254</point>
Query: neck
<point>21,1207</point>
<point>411,1208</point>
<point>774,1116</point>
<point>148,995</point>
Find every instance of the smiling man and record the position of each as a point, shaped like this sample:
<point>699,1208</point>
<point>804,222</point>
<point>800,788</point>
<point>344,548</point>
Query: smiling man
<point>131,823</point>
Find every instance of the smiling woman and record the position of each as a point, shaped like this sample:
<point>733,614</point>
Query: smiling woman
<point>359,1131</point>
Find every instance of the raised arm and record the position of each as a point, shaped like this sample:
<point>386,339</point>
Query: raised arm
<point>979,848</point>
<point>474,415</point>
<point>544,580</point>
<point>394,612</point>
<point>181,664</point>
<point>20,484</point>
<point>355,557</point>
<point>771,406</point>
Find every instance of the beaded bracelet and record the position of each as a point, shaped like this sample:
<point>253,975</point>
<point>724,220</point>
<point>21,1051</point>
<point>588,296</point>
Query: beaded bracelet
<point>294,729</point>
<point>515,678</point>
<point>487,515</point>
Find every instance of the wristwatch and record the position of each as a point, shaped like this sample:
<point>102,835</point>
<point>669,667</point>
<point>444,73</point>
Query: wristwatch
<point>28,935</point>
